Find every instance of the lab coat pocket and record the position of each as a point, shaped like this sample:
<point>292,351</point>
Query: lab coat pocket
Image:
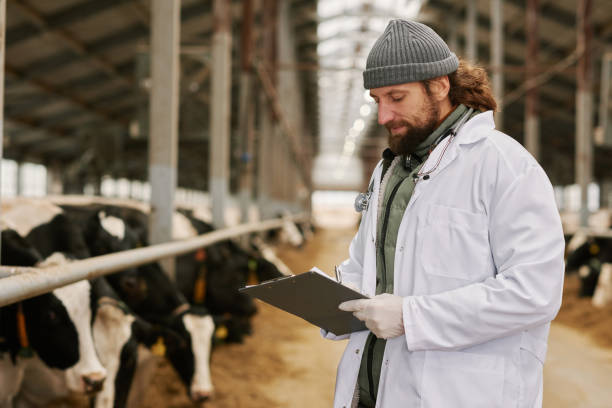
<point>455,243</point>
<point>462,380</point>
<point>532,354</point>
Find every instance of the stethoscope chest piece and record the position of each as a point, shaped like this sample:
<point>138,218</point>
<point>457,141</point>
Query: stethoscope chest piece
<point>362,201</point>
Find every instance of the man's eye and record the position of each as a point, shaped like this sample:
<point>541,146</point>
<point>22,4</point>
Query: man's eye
<point>397,98</point>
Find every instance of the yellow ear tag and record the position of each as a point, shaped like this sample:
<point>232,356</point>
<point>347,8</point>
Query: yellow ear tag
<point>221,332</point>
<point>594,249</point>
<point>199,288</point>
<point>159,348</point>
<point>252,279</point>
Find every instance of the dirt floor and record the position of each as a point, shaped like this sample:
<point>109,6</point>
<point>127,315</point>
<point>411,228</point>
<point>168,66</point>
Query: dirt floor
<point>286,363</point>
<point>580,314</point>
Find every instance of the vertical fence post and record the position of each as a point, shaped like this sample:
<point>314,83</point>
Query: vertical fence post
<point>584,107</point>
<point>220,105</point>
<point>163,129</point>
<point>532,121</point>
<point>497,58</point>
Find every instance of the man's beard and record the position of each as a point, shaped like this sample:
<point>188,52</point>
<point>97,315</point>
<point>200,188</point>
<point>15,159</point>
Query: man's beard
<point>407,142</point>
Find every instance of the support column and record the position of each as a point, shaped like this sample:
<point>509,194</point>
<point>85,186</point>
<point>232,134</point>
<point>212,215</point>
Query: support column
<point>54,179</point>
<point>246,111</point>
<point>221,92</point>
<point>19,176</point>
<point>2,52</point>
<point>497,59</point>
<point>471,51</point>
<point>532,119</point>
<point>453,37</point>
<point>264,156</point>
<point>163,143</point>
<point>605,194</point>
<point>267,137</point>
<point>584,106</point>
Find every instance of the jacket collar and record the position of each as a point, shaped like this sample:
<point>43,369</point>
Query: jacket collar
<point>472,131</point>
<point>475,129</point>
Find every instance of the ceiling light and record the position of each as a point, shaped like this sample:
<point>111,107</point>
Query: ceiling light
<point>365,110</point>
<point>358,125</point>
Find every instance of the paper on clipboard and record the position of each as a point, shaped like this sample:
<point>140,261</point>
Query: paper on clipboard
<point>314,297</point>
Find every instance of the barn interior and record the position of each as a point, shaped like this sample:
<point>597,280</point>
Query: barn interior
<point>255,109</point>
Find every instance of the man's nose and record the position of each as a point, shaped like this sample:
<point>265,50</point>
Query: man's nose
<point>385,115</point>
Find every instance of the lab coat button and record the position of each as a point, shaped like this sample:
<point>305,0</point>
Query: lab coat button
<point>356,351</point>
<point>401,248</point>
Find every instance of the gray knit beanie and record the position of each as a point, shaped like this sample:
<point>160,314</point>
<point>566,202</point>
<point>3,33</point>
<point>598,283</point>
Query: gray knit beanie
<point>407,52</point>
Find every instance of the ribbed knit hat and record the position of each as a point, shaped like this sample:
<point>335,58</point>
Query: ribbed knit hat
<point>407,52</point>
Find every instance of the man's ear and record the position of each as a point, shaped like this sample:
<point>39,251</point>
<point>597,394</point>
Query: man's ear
<point>439,87</point>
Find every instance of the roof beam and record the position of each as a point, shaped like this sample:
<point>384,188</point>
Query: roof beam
<point>71,41</point>
<point>118,38</point>
<point>59,19</point>
<point>54,91</point>
<point>485,22</point>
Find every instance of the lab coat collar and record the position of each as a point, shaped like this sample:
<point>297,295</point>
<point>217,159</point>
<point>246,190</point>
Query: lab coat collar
<point>472,131</point>
<point>476,128</point>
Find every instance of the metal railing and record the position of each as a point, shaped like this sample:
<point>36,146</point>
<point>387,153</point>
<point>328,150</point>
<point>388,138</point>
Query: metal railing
<point>594,232</point>
<point>19,283</point>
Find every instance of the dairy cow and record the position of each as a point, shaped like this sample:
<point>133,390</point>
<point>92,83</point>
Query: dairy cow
<point>211,276</point>
<point>50,332</point>
<point>152,296</point>
<point>591,257</point>
<point>115,329</point>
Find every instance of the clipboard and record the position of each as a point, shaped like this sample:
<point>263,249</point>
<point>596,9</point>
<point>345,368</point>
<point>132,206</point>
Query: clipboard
<point>313,297</point>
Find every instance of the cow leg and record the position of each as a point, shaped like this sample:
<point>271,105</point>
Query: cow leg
<point>145,370</point>
<point>603,291</point>
<point>112,329</point>
<point>11,377</point>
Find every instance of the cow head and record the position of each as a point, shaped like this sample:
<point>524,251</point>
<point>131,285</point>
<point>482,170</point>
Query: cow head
<point>192,359</point>
<point>88,374</point>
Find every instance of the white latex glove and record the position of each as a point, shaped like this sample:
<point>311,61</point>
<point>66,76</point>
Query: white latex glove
<point>382,314</point>
<point>351,286</point>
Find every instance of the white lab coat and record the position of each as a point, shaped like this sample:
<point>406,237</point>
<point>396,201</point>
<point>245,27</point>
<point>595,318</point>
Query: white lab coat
<point>479,263</point>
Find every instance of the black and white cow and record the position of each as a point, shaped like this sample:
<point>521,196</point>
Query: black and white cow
<point>121,337</point>
<point>586,255</point>
<point>211,276</point>
<point>53,234</point>
<point>151,295</point>
<point>46,337</point>
<point>113,327</point>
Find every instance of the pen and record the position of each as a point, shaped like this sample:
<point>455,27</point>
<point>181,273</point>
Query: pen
<point>338,274</point>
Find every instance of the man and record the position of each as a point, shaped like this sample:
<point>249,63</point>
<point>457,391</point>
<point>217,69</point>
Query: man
<point>460,246</point>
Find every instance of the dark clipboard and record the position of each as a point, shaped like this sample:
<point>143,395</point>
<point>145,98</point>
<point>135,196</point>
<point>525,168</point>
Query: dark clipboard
<point>314,298</point>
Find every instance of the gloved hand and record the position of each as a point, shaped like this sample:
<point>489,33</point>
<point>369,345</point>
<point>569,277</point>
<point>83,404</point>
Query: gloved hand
<point>382,314</point>
<point>351,286</point>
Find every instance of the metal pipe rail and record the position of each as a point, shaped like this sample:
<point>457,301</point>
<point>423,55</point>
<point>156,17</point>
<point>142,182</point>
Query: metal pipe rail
<point>595,233</point>
<point>19,283</point>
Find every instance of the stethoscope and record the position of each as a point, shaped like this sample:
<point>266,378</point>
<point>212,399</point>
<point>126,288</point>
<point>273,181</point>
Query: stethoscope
<point>363,199</point>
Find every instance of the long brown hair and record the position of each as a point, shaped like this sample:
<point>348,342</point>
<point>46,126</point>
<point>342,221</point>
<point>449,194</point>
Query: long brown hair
<point>470,86</point>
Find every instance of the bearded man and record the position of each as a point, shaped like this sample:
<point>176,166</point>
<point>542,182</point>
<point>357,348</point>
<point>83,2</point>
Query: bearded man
<point>460,248</point>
